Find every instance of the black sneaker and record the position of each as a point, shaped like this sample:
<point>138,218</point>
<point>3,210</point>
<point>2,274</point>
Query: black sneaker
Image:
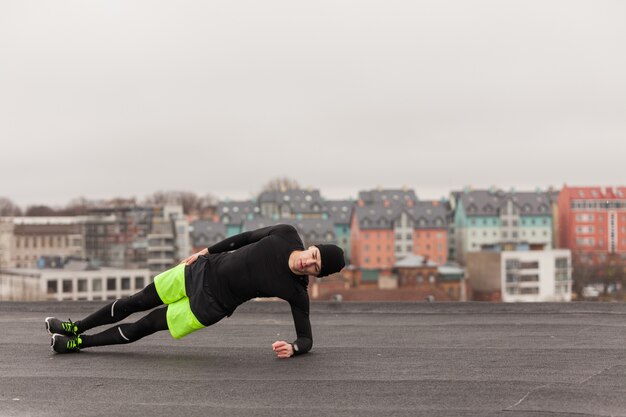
<point>56,326</point>
<point>65,344</point>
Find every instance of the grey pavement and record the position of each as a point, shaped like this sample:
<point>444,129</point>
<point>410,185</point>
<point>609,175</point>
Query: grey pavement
<point>368,359</point>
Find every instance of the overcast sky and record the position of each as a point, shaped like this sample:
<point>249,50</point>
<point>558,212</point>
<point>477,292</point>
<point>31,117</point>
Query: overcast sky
<point>123,98</point>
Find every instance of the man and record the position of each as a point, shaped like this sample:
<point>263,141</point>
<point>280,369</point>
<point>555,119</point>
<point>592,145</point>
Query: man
<point>208,286</point>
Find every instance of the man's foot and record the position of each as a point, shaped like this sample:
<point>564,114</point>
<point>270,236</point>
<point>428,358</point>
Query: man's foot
<point>65,344</point>
<point>56,326</point>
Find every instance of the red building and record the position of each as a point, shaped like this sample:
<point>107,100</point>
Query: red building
<point>384,232</point>
<point>592,223</point>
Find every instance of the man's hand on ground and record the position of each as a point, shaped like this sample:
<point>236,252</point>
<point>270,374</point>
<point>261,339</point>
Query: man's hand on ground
<point>194,257</point>
<point>282,349</point>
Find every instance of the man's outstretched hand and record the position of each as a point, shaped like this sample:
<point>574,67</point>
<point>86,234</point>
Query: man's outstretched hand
<point>282,349</point>
<point>194,257</point>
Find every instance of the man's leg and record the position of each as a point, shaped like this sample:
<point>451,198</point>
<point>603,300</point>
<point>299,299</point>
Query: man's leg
<point>145,299</point>
<point>123,333</point>
<point>118,310</point>
<point>129,332</point>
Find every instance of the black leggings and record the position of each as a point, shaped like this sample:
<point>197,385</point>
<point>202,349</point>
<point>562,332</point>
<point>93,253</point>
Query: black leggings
<point>118,310</point>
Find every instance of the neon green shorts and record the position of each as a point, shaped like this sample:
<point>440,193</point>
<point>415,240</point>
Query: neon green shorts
<point>170,286</point>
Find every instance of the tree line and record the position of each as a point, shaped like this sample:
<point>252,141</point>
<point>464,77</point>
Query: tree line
<point>191,202</point>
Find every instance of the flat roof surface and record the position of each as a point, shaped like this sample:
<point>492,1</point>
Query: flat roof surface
<point>368,359</point>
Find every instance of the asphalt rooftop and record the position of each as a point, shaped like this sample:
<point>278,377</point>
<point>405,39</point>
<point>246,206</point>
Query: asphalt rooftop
<point>368,359</point>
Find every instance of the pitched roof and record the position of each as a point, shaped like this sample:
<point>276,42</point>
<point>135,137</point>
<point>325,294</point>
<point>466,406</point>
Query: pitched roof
<point>339,210</point>
<point>300,201</point>
<point>489,202</point>
<point>205,233</point>
<point>425,215</point>
<point>237,211</point>
<point>392,195</point>
<point>590,193</point>
<point>311,231</point>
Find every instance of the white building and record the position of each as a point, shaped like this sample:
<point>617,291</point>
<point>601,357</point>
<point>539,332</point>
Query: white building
<point>522,275</point>
<point>536,275</point>
<point>19,284</point>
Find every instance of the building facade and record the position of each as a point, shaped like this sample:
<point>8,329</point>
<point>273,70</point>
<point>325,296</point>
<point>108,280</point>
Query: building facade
<point>592,223</point>
<point>33,239</point>
<point>486,218</point>
<point>383,233</point>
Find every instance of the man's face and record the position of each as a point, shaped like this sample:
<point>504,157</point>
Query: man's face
<point>309,262</point>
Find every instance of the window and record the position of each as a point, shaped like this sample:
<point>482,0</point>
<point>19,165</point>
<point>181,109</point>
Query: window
<point>512,264</point>
<point>126,283</point>
<point>82,285</point>
<point>52,287</point>
<point>96,284</point>
<point>139,283</point>
<point>111,285</point>
<point>409,248</point>
<point>67,285</point>
<point>560,262</point>
<point>529,278</point>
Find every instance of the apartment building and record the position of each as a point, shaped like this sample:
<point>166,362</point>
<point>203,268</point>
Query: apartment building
<point>484,218</point>
<point>521,275</point>
<point>382,233</point>
<point>592,223</point>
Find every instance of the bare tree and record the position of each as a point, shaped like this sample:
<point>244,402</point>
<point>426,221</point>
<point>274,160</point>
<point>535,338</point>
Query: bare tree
<point>190,201</point>
<point>281,184</point>
<point>583,274</point>
<point>77,207</point>
<point>8,208</point>
<point>40,211</point>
